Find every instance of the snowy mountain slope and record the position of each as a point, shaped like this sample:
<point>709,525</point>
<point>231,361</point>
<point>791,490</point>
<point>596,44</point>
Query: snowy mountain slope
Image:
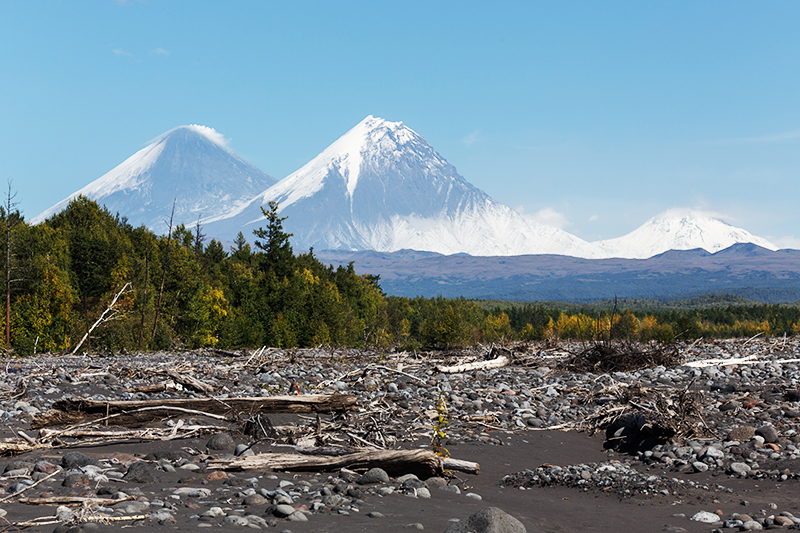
<point>678,229</point>
<point>382,187</point>
<point>188,164</point>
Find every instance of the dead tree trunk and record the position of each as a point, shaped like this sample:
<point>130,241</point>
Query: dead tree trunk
<point>103,317</point>
<point>144,297</point>
<point>10,222</point>
<point>164,271</point>
<point>8,269</point>
<point>133,413</point>
<point>423,463</point>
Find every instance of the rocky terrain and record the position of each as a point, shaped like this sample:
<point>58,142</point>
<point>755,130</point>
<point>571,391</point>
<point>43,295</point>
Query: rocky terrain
<point>709,443</point>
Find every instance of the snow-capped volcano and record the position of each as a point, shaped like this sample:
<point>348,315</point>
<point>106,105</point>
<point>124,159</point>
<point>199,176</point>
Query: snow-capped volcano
<point>679,229</point>
<point>382,187</point>
<point>189,164</point>
<point>379,187</point>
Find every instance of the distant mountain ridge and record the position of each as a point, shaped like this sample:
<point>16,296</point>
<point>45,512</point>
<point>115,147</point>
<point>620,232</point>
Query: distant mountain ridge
<point>380,186</point>
<point>742,269</point>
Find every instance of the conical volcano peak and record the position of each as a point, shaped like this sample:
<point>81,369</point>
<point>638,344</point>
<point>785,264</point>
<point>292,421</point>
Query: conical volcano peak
<point>190,166</point>
<point>381,186</point>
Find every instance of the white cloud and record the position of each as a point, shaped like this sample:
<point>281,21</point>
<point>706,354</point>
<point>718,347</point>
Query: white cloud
<point>700,210</point>
<point>547,216</point>
<point>551,217</point>
<point>212,134</point>
<point>594,218</point>
<point>790,241</point>
<point>159,52</point>
<point>472,138</point>
<point>121,53</point>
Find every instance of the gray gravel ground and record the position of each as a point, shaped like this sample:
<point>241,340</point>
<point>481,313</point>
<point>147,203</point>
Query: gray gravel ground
<point>744,469</point>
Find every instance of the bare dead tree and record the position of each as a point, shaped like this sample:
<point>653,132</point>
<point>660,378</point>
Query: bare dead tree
<point>10,222</point>
<point>146,280</point>
<point>164,270</point>
<point>105,317</point>
<point>199,239</point>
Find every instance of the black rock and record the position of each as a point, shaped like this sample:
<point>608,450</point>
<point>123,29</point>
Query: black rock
<point>140,473</point>
<point>76,480</point>
<point>414,483</point>
<point>355,493</point>
<point>373,475</point>
<point>72,460</point>
<point>221,441</point>
<point>769,433</point>
<point>489,520</point>
<point>18,465</point>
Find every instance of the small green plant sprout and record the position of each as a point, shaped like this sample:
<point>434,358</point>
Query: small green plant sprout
<point>440,427</point>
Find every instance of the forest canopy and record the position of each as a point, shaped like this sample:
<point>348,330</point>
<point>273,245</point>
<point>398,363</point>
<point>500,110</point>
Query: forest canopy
<point>180,291</point>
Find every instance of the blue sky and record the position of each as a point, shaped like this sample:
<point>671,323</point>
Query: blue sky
<point>593,116</point>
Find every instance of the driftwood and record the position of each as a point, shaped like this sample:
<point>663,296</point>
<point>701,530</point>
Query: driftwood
<point>497,362</point>
<point>103,317</point>
<point>423,463</point>
<point>133,413</point>
<point>607,357</point>
<point>158,387</point>
<point>74,500</point>
<point>190,382</point>
<point>50,520</point>
<point>109,436</point>
<point>9,447</point>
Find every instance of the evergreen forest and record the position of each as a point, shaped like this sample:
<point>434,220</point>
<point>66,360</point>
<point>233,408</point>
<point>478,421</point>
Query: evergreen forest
<point>87,280</point>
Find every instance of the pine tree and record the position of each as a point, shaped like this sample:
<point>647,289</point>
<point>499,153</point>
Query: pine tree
<point>278,255</point>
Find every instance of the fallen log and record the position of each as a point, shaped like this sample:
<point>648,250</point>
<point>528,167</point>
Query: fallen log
<point>134,413</point>
<point>50,520</point>
<point>190,382</point>
<point>158,387</point>
<point>423,463</point>
<point>74,500</point>
<point>16,447</point>
<point>46,434</point>
<point>497,362</point>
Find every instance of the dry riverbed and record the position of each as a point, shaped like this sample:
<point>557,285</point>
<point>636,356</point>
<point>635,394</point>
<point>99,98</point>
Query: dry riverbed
<point>710,443</point>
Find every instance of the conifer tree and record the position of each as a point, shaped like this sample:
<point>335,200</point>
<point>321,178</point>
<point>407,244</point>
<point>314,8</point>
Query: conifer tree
<point>278,255</point>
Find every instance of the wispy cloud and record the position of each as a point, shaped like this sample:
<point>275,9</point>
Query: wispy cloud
<point>121,53</point>
<point>159,52</point>
<point>790,241</point>
<point>472,138</point>
<point>547,216</point>
<point>786,136</point>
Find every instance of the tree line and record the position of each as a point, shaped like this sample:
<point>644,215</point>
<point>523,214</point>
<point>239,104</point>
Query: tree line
<point>87,279</point>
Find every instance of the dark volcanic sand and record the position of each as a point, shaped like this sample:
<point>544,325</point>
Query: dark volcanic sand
<point>548,509</point>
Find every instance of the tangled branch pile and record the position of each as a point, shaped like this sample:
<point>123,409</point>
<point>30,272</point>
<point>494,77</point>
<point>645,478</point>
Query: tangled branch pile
<point>622,356</point>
